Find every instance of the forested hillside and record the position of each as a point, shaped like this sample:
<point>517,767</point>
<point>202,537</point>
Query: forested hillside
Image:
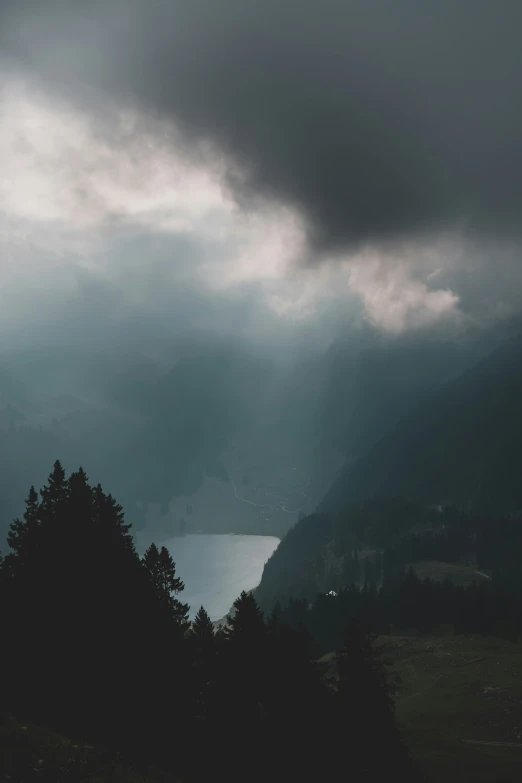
<point>445,481</point>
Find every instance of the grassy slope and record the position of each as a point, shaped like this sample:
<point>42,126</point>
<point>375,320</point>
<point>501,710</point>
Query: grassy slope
<point>441,702</point>
<point>458,574</point>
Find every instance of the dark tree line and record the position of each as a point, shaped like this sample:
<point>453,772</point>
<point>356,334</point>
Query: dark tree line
<point>375,544</point>
<point>96,643</point>
<point>408,604</point>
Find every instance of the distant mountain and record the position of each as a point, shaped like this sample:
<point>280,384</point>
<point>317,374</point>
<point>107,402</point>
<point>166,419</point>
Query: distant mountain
<point>249,441</point>
<point>189,415</point>
<point>214,426</point>
<point>460,446</point>
<point>369,393</point>
<point>463,445</point>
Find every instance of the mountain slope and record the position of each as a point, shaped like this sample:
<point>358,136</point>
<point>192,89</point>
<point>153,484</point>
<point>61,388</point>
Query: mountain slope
<point>454,448</point>
<point>368,395</point>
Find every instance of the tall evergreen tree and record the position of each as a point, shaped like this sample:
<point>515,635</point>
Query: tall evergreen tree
<point>202,629</point>
<point>55,491</point>
<point>245,623</point>
<point>220,635</point>
<point>21,535</point>
<point>161,569</point>
<point>150,562</point>
<point>246,635</point>
<point>366,707</point>
<point>169,582</point>
<point>205,669</point>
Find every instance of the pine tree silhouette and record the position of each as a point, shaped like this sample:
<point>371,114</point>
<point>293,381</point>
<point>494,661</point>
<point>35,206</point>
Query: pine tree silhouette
<point>245,623</point>
<point>55,491</point>
<point>169,582</point>
<point>22,533</point>
<point>365,705</point>
<point>205,668</point>
<point>161,569</point>
<point>74,586</point>
<point>151,563</point>
<point>202,629</point>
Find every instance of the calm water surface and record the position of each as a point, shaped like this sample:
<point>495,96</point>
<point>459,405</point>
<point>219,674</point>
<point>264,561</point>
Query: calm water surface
<point>215,568</point>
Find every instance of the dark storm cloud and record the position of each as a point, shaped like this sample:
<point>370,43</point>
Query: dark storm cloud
<point>375,119</point>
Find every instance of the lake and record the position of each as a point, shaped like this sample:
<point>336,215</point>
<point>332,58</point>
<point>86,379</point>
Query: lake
<point>216,568</point>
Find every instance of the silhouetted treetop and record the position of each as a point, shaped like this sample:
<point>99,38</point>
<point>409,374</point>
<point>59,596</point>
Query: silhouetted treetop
<point>202,628</point>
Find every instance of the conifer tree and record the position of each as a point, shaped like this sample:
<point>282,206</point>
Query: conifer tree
<point>241,692</point>
<point>170,586</point>
<point>21,531</point>
<point>169,582</point>
<point>161,569</point>
<point>220,635</point>
<point>55,491</point>
<point>78,511</point>
<point>109,519</point>
<point>202,629</point>
<point>245,623</point>
<point>205,668</point>
<point>366,706</point>
<point>151,563</point>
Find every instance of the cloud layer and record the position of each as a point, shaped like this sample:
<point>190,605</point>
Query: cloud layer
<point>293,158</point>
<point>373,119</point>
<point>117,212</point>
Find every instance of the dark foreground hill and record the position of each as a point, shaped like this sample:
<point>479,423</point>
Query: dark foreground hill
<point>30,752</point>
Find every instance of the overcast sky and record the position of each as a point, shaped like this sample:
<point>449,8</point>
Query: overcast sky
<point>261,167</point>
